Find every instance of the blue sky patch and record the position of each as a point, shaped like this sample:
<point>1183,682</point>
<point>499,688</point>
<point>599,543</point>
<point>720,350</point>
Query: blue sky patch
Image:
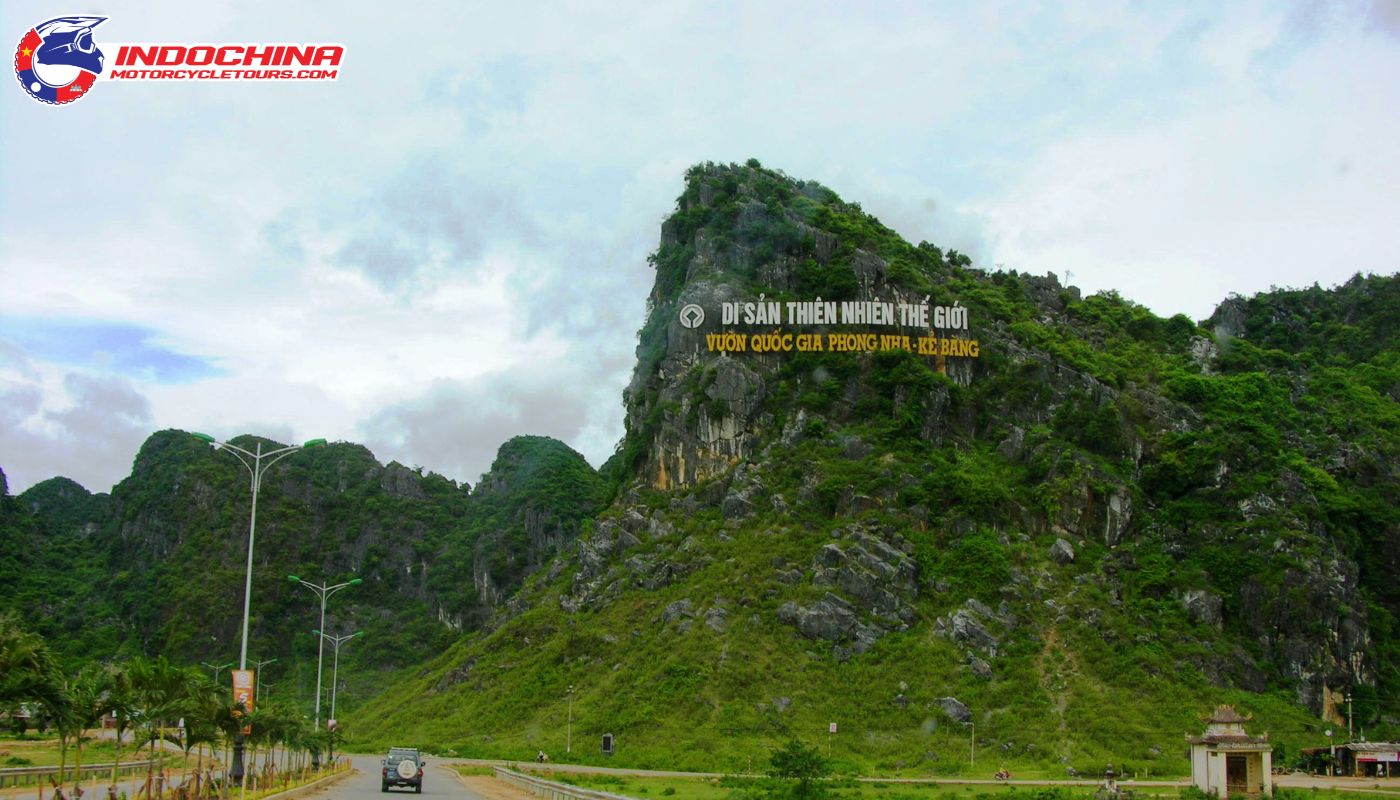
<point>115,347</point>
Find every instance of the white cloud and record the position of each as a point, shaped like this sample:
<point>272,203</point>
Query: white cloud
<point>70,423</point>
<point>1282,178</point>
<point>413,254</point>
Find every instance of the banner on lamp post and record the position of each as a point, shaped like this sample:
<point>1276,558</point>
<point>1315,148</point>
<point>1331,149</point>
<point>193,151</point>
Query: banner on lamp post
<point>243,695</point>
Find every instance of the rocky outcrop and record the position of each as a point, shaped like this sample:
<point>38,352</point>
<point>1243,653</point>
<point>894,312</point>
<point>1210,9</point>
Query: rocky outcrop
<point>400,481</point>
<point>606,565</point>
<point>831,619</point>
<point>531,506</point>
<point>1229,318</point>
<point>879,578</point>
<point>976,628</point>
<point>717,619</point>
<point>955,709</point>
<point>1324,594</point>
<point>1203,607</point>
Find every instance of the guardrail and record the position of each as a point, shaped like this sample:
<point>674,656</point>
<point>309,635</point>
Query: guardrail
<point>17,776</point>
<point>552,790</point>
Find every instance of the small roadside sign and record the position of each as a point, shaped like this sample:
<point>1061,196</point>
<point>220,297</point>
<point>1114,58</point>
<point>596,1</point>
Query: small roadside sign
<point>832,729</point>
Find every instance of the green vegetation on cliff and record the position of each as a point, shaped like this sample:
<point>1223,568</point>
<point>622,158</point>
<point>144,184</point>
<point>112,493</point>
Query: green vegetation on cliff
<point>158,567</point>
<point>1080,541</point>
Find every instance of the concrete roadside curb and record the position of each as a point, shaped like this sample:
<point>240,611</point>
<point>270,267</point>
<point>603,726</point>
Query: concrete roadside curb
<point>311,787</point>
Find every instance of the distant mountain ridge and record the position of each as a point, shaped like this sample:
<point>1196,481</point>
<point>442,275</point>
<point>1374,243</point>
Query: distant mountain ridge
<point>158,565</point>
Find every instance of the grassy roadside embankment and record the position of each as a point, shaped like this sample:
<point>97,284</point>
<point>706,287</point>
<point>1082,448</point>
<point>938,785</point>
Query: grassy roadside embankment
<point>762,788</point>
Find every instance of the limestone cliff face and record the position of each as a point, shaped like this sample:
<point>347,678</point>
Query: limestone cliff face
<point>696,414</point>
<point>526,509</point>
<point>691,434</point>
<point>1122,459</point>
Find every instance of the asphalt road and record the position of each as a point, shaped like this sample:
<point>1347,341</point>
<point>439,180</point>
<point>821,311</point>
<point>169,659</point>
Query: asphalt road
<point>439,783</point>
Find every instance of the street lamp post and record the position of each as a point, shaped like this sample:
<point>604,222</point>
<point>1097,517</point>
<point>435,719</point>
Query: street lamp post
<point>1332,764</point>
<point>569,737</point>
<point>1349,735</point>
<point>323,591</point>
<point>973,752</point>
<point>336,642</point>
<point>257,686</point>
<point>257,463</point>
<point>217,668</point>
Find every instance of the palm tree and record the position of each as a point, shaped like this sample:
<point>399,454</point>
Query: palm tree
<point>119,699</point>
<point>201,713</point>
<point>229,720</point>
<point>87,693</point>
<point>282,722</point>
<point>269,726</point>
<point>28,671</point>
<point>162,692</point>
<point>63,713</point>
<point>300,740</point>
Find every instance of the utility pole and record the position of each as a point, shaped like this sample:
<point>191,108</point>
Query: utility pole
<point>1349,717</point>
<point>974,742</point>
<point>569,736</point>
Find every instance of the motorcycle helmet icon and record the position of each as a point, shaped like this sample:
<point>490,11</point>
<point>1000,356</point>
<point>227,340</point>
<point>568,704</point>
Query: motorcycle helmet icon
<point>68,42</point>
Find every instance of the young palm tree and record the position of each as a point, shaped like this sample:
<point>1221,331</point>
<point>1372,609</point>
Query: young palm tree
<point>119,700</point>
<point>283,721</point>
<point>255,723</point>
<point>229,720</point>
<point>63,715</point>
<point>87,692</point>
<point>162,692</point>
<point>268,725</point>
<point>299,742</point>
<point>200,712</point>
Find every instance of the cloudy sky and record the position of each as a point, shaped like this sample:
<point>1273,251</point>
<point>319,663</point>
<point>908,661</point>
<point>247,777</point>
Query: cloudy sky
<point>447,246</point>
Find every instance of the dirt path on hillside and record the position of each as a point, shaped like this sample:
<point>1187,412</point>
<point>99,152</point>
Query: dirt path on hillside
<point>1054,668</point>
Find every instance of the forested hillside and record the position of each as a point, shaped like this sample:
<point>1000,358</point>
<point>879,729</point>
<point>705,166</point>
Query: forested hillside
<point>158,566</point>
<point>1078,538</point>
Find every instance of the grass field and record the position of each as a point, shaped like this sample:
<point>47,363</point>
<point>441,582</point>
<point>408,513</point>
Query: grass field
<point>39,751</point>
<point>734,788</point>
<point>35,751</point>
<point>43,751</point>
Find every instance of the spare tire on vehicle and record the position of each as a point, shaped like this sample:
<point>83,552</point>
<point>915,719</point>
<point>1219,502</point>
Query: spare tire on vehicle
<point>407,769</point>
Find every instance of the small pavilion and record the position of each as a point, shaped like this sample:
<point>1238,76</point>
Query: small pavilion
<point>1228,762</point>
